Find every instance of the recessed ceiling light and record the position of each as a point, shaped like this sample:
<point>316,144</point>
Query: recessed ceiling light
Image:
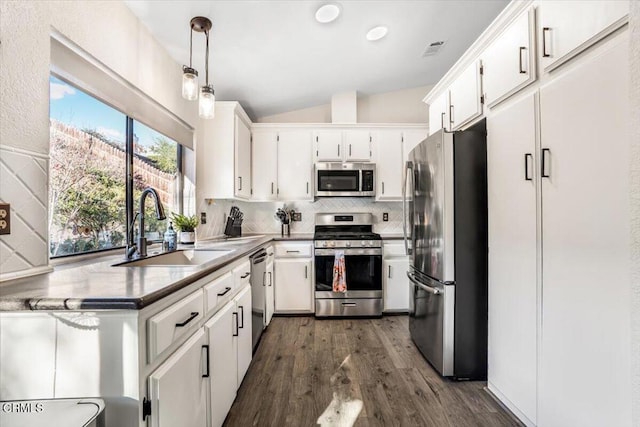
<point>376,33</point>
<point>327,13</point>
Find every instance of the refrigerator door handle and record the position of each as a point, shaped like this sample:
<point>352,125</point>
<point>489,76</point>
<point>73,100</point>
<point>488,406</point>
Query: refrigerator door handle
<point>434,291</point>
<point>408,166</point>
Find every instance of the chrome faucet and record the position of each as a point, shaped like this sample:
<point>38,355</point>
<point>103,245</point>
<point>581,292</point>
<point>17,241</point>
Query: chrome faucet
<point>141,247</point>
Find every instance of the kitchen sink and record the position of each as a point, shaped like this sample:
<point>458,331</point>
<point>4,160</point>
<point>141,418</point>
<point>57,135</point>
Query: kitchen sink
<point>189,257</point>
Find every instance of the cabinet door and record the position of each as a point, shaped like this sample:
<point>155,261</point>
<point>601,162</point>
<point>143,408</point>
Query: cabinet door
<point>296,168</point>
<point>357,145</point>
<point>243,331</point>
<point>178,388</point>
<point>396,284</point>
<point>293,285</point>
<point>513,296</point>
<point>270,289</point>
<point>569,27</point>
<point>223,362</point>
<point>464,97</point>
<point>509,62</point>
<point>389,164</point>
<point>585,243</point>
<point>328,146</point>
<point>242,160</point>
<point>439,113</point>
<point>264,171</point>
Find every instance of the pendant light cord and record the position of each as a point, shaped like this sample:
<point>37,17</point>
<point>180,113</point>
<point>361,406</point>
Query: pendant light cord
<point>191,47</point>
<point>206,64</point>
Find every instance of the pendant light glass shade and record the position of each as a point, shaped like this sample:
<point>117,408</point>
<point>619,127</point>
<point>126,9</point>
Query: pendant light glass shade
<point>207,102</point>
<point>189,83</point>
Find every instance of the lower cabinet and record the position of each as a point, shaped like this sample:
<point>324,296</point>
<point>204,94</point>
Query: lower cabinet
<point>293,285</point>
<point>396,284</point>
<point>242,332</point>
<point>178,388</point>
<point>270,294</point>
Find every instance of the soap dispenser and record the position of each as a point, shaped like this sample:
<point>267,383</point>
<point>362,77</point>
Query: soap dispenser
<point>171,238</point>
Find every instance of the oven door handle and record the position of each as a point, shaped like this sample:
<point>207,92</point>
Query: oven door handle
<point>347,252</point>
<point>434,291</point>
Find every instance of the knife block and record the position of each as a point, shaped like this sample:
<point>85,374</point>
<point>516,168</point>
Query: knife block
<point>232,229</point>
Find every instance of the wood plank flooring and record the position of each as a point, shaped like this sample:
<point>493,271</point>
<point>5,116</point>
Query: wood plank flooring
<point>301,364</point>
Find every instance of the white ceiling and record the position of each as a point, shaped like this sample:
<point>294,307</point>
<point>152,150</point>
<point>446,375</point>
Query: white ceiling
<point>273,56</point>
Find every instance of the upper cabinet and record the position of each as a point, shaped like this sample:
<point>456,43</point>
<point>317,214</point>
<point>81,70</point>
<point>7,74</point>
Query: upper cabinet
<point>264,168</point>
<point>295,174</point>
<point>389,163</point>
<point>223,154</point>
<point>343,145</point>
<point>509,62</point>
<point>568,27</point>
<point>242,159</point>
<point>439,113</point>
<point>464,97</point>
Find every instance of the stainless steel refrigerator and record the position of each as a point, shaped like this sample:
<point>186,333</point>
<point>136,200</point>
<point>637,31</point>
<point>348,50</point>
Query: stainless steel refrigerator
<point>446,211</point>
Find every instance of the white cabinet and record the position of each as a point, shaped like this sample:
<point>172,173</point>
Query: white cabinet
<point>293,273</point>
<point>295,180</point>
<point>439,113</point>
<point>584,133</point>
<point>223,154</point>
<point>269,287</point>
<point>242,333</point>
<point>178,388</point>
<point>328,145</point>
<point>464,97</point>
<point>410,139</point>
<point>389,164</point>
<point>509,62</point>
<point>242,159</point>
<point>513,291</point>
<point>264,167</point>
<point>395,283</point>
<point>357,145</point>
<point>568,27</point>
<point>223,362</point>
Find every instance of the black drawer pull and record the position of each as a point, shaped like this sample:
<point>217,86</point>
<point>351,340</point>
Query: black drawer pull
<point>206,347</point>
<point>226,291</point>
<point>236,333</point>
<point>194,314</point>
<point>245,275</point>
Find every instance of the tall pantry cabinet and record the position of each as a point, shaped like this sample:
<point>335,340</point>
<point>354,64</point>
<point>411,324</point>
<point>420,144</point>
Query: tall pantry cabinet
<point>559,339</point>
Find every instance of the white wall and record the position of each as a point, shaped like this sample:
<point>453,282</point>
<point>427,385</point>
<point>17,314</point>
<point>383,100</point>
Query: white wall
<point>401,106</point>
<point>634,46</point>
<point>108,31</point>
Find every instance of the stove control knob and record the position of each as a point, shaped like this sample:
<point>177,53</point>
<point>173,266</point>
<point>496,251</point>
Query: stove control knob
<point>370,242</point>
<point>332,244</point>
<point>363,243</point>
<point>324,244</point>
<point>348,244</point>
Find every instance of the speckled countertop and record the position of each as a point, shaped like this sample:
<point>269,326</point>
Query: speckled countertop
<point>97,285</point>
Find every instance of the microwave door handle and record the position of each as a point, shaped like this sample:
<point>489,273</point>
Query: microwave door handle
<point>408,166</point>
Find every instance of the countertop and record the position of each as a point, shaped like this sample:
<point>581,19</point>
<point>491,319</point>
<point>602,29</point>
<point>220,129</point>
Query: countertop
<point>97,285</point>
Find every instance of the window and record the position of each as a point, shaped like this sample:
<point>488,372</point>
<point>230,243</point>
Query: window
<point>88,196</point>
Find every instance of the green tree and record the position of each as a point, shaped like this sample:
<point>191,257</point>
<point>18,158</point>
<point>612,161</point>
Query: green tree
<point>164,153</point>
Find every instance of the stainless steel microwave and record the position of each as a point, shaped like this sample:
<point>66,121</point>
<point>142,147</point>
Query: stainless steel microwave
<point>336,179</point>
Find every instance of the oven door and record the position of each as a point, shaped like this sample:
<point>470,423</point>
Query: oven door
<point>363,269</point>
<point>337,182</point>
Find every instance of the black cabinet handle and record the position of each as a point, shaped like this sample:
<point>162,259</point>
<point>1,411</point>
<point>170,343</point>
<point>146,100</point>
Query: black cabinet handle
<point>522,49</point>
<point>382,187</point>
<point>544,173</point>
<point>226,291</point>
<point>451,114</point>
<point>241,326</point>
<point>338,150</point>
<point>240,183</point>
<point>349,150</point>
<point>194,314</point>
<point>389,274</point>
<point>545,30</point>
<point>264,279</point>
<point>272,188</point>
<point>307,187</point>
<point>527,156</point>
<point>270,279</point>
<point>245,275</point>
<point>442,120</point>
<point>206,347</point>
<point>235,334</point>
<point>306,273</point>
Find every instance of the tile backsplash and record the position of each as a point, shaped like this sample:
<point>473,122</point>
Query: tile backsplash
<point>259,216</point>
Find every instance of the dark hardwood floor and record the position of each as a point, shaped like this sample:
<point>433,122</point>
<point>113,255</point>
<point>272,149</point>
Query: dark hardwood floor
<point>300,367</point>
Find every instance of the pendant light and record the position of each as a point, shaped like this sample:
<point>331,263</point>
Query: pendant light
<point>206,108</point>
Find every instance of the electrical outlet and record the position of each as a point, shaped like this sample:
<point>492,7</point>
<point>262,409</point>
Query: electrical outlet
<point>296,216</point>
<point>203,217</point>
<point>5,218</point>
<point>385,216</point>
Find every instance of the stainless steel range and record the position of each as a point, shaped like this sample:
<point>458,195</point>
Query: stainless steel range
<point>353,234</point>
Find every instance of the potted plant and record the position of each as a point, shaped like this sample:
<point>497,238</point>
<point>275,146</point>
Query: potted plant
<point>186,225</point>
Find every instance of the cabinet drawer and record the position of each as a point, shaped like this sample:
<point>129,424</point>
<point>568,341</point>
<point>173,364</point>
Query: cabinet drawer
<point>293,250</point>
<point>393,250</point>
<point>175,321</point>
<point>241,275</point>
<point>218,291</point>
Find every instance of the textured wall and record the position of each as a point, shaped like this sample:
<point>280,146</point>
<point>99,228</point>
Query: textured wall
<point>106,30</point>
<point>634,46</point>
<point>259,217</point>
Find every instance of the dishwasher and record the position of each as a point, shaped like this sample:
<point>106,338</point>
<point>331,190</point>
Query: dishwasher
<point>258,298</point>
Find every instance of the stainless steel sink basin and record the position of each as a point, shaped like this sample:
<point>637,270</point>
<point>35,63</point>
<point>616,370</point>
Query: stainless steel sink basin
<point>178,258</point>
